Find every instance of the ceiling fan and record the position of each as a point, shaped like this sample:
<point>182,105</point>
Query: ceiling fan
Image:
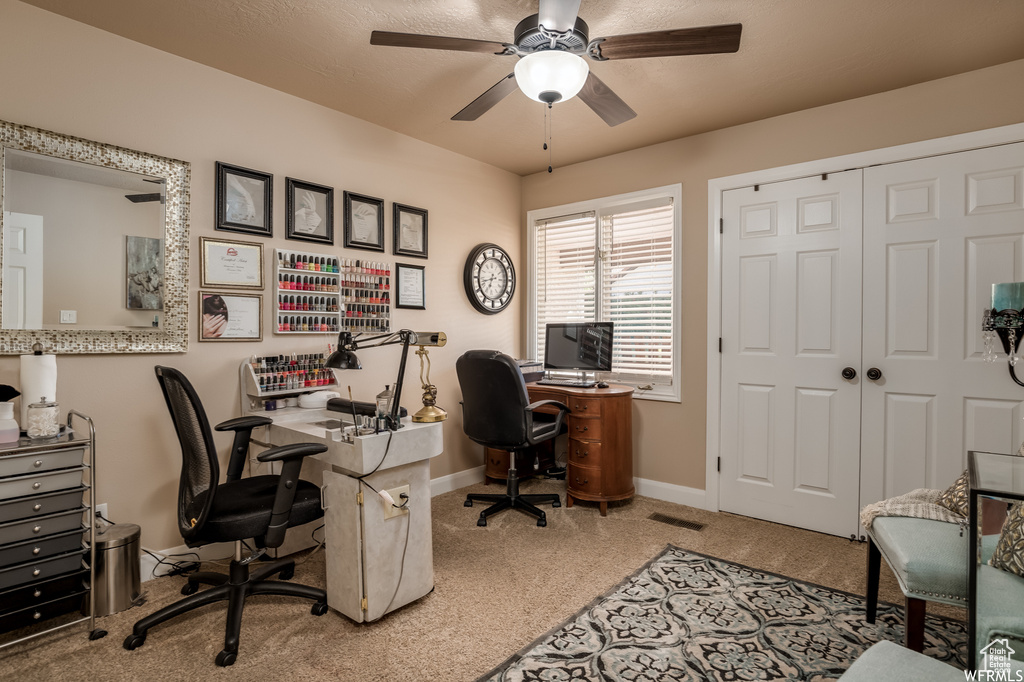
<point>550,46</point>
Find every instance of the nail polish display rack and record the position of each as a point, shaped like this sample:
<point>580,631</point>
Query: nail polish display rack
<point>317,293</point>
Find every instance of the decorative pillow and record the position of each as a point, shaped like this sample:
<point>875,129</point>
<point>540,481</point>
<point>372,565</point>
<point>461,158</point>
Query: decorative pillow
<point>955,497</point>
<point>1009,553</point>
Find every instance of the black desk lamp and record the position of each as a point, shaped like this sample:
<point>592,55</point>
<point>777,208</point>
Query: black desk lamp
<point>345,358</point>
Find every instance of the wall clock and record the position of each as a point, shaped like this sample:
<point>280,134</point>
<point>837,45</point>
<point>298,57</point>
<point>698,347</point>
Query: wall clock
<point>490,278</point>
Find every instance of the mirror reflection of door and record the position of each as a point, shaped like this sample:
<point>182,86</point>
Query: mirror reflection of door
<point>23,271</point>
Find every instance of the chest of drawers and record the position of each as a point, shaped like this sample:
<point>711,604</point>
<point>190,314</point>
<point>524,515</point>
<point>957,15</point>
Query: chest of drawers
<point>46,533</point>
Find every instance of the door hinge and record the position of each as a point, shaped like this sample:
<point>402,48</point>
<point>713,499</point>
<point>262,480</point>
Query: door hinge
<point>719,464</point>
<point>359,498</point>
<point>363,605</point>
<point>721,226</point>
<point>719,344</point>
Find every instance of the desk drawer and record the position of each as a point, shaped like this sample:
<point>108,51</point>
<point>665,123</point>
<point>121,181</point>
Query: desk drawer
<point>41,505</point>
<point>584,453</point>
<point>41,612</point>
<point>37,527</point>
<point>44,591</point>
<point>43,482</point>
<point>41,570</point>
<point>29,462</point>
<point>583,479</point>
<point>41,548</point>
<point>584,429</point>
<point>584,407</point>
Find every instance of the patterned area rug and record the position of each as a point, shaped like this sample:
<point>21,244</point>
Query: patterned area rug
<point>686,616</point>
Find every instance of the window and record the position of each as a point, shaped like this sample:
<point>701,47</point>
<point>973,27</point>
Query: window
<point>613,260</point>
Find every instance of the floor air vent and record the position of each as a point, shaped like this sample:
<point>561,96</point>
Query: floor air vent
<point>674,521</point>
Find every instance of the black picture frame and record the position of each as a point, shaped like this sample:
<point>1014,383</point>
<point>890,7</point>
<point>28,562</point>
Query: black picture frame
<point>238,210</point>
<point>309,212</point>
<point>409,227</point>
<point>410,286</point>
<point>361,229</point>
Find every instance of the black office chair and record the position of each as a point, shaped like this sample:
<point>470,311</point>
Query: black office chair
<point>497,413</point>
<point>259,507</point>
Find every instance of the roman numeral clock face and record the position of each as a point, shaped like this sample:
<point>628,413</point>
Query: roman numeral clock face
<point>490,278</point>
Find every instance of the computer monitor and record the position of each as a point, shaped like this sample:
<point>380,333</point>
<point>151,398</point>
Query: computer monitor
<point>579,346</point>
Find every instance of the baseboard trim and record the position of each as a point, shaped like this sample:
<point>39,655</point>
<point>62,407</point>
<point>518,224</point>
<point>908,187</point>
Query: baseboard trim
<point>446,484</point>
<point>669,492</point>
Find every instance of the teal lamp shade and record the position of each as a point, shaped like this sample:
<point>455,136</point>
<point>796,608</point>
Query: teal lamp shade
<point>1008,296</point>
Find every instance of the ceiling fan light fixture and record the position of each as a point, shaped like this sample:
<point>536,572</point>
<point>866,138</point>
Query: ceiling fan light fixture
<point>551,76</point>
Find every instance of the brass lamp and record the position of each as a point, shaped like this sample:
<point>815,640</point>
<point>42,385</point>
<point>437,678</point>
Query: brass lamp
<point>430,412</point>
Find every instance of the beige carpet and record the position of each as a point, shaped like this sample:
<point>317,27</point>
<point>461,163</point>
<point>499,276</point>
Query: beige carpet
<point>496,590</point>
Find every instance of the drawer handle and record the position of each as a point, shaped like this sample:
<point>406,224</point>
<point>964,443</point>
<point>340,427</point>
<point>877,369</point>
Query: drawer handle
<point>38,463</point>
<point>37,594</point>
<point>584,482</point>
<point>585,453</point>
<point>581,407</point>
<point>37,529</point>
<point>36,573</point>
<point>37,615</point>
<point>37,507</point>
<point>35,486</point>
<point>581,429</point>
<point>35,550</point>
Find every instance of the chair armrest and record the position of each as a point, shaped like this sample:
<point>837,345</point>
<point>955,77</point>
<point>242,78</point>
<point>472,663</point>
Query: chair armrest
<point>285,453</point>
<point>242,426</point>
<point>540,403</point>
<point>238,423</point>
<point>287,484</point>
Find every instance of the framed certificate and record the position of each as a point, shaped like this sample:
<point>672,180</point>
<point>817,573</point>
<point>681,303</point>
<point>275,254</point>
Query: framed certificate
<point>231,264</point>
<point>230,317</point>
<point>410,284</point>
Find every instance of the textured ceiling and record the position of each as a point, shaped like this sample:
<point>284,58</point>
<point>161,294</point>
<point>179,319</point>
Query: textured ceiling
<point>794,54</point>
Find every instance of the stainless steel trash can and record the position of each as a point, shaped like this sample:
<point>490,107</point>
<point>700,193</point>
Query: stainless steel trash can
<point>117,568</point>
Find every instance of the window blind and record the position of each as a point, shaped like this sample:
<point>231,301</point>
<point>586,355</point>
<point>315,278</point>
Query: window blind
<point>636,288</point>
<point>566,271</point>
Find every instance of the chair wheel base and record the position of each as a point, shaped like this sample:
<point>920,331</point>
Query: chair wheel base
<point>542,522</point>
<point>467,503</point>
<point>97,634</point>
<point>287,574</point>
<point>134,641</point>
<point>319,608</point>
<point>226,658</point>
<point>556,503</point>
<point>481,521</point>
<point>189,588</point>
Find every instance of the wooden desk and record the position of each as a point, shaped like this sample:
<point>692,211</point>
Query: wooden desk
<point>600,449</point>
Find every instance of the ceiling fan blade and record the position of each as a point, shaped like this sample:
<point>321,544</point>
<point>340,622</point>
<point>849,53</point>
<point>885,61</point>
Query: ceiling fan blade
<point>683,41</point>
<point>436,42</point>
<point>558,15</point>
<point>484,102</point>
<point>605,103</point>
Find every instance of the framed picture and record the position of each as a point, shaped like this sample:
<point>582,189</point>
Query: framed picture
<point>410,286</point>
<point>144,268</point>
<point>230,317</point>
<point>309,212</point>
<point>231,264</point>
<point>244,200</point>
<point>364,222</point>
<point>410,228</point>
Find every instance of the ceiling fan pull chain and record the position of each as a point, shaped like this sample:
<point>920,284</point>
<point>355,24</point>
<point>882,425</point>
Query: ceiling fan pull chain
<point>550,118</point>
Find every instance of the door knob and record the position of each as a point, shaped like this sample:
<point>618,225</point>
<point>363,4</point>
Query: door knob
<point>874,374</point>
<point>849,373</point>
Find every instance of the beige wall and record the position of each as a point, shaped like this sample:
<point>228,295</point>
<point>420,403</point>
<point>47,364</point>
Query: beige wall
<point>71,78</point>
<point>669,439</point>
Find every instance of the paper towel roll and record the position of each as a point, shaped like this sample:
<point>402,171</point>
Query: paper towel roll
<point>38,380</point>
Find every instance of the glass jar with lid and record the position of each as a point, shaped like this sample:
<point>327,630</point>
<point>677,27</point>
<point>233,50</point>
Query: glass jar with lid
<point>43,419</point>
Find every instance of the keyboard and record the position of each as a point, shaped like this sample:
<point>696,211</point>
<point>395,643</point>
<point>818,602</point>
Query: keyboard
<point>575,383</point>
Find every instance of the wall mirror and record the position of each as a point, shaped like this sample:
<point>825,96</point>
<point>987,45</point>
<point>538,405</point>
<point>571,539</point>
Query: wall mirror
<point>94,246</point>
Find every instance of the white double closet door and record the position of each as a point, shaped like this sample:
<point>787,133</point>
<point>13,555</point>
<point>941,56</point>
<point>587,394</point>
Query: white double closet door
<point>887,268</point>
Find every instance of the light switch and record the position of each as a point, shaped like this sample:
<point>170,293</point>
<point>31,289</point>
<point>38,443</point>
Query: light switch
<point>69,317</point>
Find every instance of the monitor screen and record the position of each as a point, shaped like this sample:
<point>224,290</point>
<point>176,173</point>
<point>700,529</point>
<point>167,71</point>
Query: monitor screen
<point>581,346</point>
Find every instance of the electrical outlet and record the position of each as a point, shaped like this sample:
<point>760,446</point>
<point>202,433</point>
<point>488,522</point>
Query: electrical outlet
<point>101,510</point>
<point>391,511</point>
